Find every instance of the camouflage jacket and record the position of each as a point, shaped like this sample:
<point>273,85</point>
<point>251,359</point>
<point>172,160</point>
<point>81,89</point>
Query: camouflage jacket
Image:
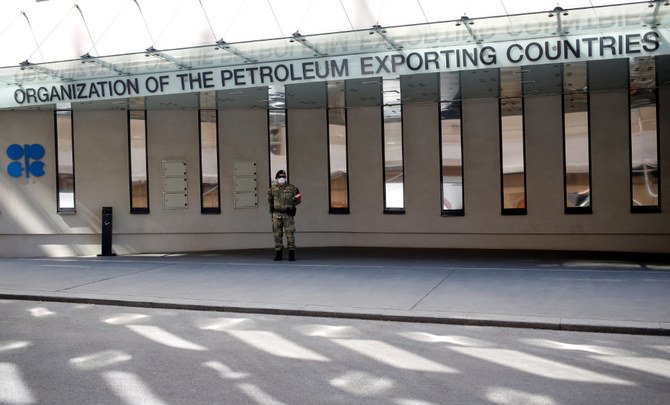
<point>284,198</point>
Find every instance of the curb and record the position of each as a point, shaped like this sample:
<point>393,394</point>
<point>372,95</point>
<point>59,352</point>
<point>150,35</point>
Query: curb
<point>558,326</point>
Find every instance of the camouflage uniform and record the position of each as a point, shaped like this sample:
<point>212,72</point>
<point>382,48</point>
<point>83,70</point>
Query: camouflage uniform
<point>283,199</point>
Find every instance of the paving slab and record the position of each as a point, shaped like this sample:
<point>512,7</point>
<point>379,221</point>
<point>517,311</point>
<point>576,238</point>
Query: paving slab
<point>556,290</point>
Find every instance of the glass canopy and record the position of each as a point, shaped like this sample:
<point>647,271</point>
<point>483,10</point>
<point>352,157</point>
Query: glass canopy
<point>462,31</point>
<point>20,84</point>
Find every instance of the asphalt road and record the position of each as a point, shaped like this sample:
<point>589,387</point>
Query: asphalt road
<point>53,353</point>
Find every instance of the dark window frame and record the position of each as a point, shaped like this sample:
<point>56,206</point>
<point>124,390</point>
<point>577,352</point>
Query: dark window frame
<point>645,209</point>
<point>59,209</point>
<point>331,209</point>
<point>203,209</point>
<point>138,210</point>
<point>566,209</point>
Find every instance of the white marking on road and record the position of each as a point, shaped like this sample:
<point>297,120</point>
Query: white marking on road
<point>164,337</point>
<point>13,390</point>
<point>276,345</point>
<point>392,356</point>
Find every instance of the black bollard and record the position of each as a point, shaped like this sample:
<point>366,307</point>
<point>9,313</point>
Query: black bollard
<point>107,232</point>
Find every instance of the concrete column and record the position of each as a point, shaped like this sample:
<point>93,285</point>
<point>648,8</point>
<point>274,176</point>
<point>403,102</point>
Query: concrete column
<point>243,136</point>
<point>101,168</point>
<point>481,163</point>
<point>610,160</point>
<point>308,165</point>
<point>421,148</point>
<point>366,181</point>
<point>544,160</point>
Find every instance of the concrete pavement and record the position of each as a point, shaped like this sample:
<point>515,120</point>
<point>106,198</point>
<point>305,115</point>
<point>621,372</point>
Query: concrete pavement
<point>602,292</point>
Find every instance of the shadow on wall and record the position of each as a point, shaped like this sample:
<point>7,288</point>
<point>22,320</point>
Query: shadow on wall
<point>26,209</point>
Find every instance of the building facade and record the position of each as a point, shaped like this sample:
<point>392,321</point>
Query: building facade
<point>545,139</point>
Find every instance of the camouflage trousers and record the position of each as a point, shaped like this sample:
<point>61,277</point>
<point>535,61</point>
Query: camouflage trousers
<point>283,224</point>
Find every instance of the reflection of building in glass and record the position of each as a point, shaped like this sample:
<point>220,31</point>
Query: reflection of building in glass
<point>209,161</point>
<point>576,136</point>
<point>643,133</point>
<point>277,140</point>
<point>451,148</point>
<point>512,140</point>
<point>394,198</point>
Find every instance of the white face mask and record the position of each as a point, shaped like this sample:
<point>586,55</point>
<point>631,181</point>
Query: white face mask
<point>281,181</point>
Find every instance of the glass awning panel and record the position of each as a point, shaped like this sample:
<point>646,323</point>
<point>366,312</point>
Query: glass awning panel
<point>466,32</point>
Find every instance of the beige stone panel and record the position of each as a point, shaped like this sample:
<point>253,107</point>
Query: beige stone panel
<point>101,169</point>
<point>243,136</point>
<point>28,204</point>
<point>308,165</point>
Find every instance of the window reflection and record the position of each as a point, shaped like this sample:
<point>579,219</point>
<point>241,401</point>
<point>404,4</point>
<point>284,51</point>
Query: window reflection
<point>277,129</point>
<point>451,144</point>
<point>139,182</point>
<point>209,161</point>
<point>337,148</point>
<point>512,142</point>
<point>392,139</point>
<point>278,145</point>
<point>65,156</point>
<point>576,138</point>
<point>643,135</point>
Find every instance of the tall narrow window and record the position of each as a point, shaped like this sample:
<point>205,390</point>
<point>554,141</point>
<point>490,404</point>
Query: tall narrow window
<point>139,180</point>
<point>277,130</point>
<point>451,150</point>
<point>65,158</point>
<point>337,149</point>
<point>392,151</point>
<point>210,201</point>
<point>512,142</point>
<point>576,139</point>
<point>644,136</point>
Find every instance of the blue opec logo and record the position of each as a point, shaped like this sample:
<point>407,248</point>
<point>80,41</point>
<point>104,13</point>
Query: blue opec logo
<point>27,153</point>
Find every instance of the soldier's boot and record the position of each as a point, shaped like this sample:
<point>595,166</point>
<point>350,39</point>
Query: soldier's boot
<point>291,255</point>
<point>278,255</point>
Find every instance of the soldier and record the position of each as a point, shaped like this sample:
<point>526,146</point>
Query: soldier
<point>283,198</point>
